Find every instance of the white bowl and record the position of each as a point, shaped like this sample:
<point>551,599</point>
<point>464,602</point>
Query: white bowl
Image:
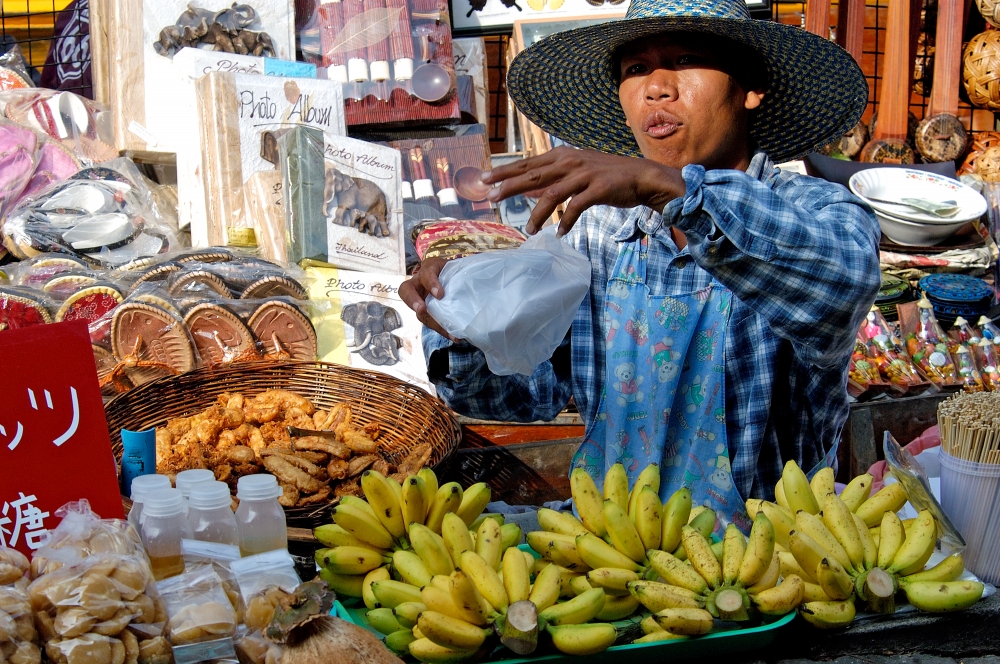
<point>915,233</point>
<point>897,183</point>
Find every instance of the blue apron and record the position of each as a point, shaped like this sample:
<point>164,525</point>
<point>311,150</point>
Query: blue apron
<point>664,396</point>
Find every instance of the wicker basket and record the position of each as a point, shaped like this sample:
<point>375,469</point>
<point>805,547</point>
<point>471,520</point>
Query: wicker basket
<point>984,140</point>
<point>406,414</point>
<point>981,70</point>
<point>990,9</point>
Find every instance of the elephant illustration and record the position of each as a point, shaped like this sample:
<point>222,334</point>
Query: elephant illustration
<point>373,323</point>
<point>350,201</point>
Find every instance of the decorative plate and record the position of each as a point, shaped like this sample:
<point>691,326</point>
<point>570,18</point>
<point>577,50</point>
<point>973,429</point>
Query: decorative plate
<point>956,288</point>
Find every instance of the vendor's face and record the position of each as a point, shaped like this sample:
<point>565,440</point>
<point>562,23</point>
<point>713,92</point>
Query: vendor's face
<point>682,107</point>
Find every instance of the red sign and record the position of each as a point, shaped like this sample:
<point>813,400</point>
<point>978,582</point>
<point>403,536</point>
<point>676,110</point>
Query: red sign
<point>54,445</point>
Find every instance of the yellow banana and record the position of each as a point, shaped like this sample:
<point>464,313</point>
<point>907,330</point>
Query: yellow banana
<point>380,574</point>
<point>734,546</point>
<point>688,622</point>
<point>613,580</point>
<point>622,532</point>
<point>456,535</point>
<point>948,569</point>
<point>348,585</point>
<point>814,593</point>
<point>471,605</point>
<point>789,565</point>
<point>407,613</point>
<point>441,581</point>
<point>717,550</point>
<point>807,552</point>
<point>675,515</point>
<point>450,632</point>
<point>431,549</point>
<point>779,494</point>
<point>660,635</point>
<point>417,634</point>
<point>657,596</point>
<point>781,599</point>
<point>700,554</point>
<point>759,554</point>
<point>381,495</point>
<point>560,549</point>
<point>676,573</point>
<point>414,509</point>
<point>813,526</point>
<point>580,585</point>
<point>840,522</point>
<point>362,525</point>
<point>917,548</point>
<point>828,615</point>
<point>868,545</point>
<point>510,535</point>
<point>489,543</point>
<point>392,593</point>
<point>545,590</point>
<point>616,486</point>
<point>595,552</point>
<point>427,651</point>
<point>647,519</point>
<point>797,491</point>
<point>588,501</point>
<point>943,596</point>
<point>617,608</point>
<point>891,537</point>
<point>485,579</point>
<point>352,560</point>
<point>516,576</point>
<point>383,620</point>
<point>566,589</point>
<point>781,519</point>
<point>440,600</point>
<point>332,535</point>
<point>582,639</point>
<point>649,625</point>
<point>890,498</point>
<point>834,579</point>
<point>429,487</point>
<point>753,506</point>
<point>822,485</point>
<point>399,641</point>
<point>411,567</point>
<point>474,501</point>
<point>563,523</point>
<point>360,503</point>
<point>650,476</point>
<point>857,491</point>
<point>482,517</point>
<point>770,577</point>
<point>447,499</point>
<point>582,608</point>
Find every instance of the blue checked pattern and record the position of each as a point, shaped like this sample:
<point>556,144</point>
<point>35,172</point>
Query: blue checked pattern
<point>801,257</point>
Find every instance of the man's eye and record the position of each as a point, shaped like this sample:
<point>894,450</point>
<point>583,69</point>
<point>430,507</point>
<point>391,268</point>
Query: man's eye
<point>635,69</point>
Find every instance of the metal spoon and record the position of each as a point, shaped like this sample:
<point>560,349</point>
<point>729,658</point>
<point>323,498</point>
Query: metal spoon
<point>947,208</point>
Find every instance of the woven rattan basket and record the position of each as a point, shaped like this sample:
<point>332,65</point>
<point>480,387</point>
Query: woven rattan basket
<point>981,70</point>
<point>406,414</point>
<point>990,10</point>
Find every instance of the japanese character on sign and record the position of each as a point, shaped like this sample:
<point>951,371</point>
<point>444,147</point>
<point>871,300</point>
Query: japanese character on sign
<point>27,519</point>
<point>63,437</point>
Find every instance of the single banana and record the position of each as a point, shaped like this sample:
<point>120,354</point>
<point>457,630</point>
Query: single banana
<point>675,515</point>
<point>414,508</point>
<point>647,519</point>
<point>440,600</point>
<point>890,498</point>
<point>688,622</point>
<point>383,620</point>
<point>797,491</point>
<point>560,549</point>
<point>474,501</point>
<point>781,599</point>
<point>650,476</point>
<point>814,593</point>
<point>770,577</point>
<point>450,632</point>
<point>717,550</point>
<point>779,494</point>
<point>595,552</point>
<point>649,625</point>
<point>700,554</point>
<point>407,613</point>
<point>781,519</point>
<point>808,553</point>
<point>943,596</point>
<point>582,639</point>
<point>332,535</point>
<point>516,576</point>
<point>352,560</point>
<point>456,535</point>
<point>545,590</point>
<point>656,596</point>
<point>822,485</point>
<point>703,522</point>
<point>582,608</point>
<point>510,535</point>
<point>430,487</point>
<point>392,593</point>
<point>411,568</point>
<point>676,573</point>
<point>917,548</point>
<point>489,543</point>
<point>563,523</point>
<point>485,579</point>
<point>867,543</point>
<point>759,554</point>
<point>380,574</point>
<point>427,651</point>
<point>613,580</point>
<point>617,608</point>
<point>734,546</point>
<point>472,606</point>
<point>661,635</point>
<point>753,506</point>
<point>431,549</point>
<point>580,585</point>
<point>441,581</point>
<point>891,537</point>
<point>447,499</point>
<point>834,579</point>
<point>857,491</point>
<point>948,569</point>
<point>615,486</point>
<point>362,525</point>
<point>622,532</point>
<point>381,495</point>
<point>399,642</point>
<point>360,503</point>
<point>813,526</point>
<point>348,585</point>
<point>482,517</point>
<point>788,565</point>
<point>588,501</point>
<point>840,522</point>
<point>828,614</point>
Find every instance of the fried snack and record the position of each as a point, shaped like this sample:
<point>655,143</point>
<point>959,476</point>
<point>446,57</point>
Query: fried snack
<point>415,460</point>
<point>289,474</point>
<point>360,464</point>
<point>276,434</point>
<point>131,644</point>
<point>240,454</point>
<point>358,441</point>
<point>289,495</point>
<point>320,496</point>
<point>322,444</point>
<point>318,458</point>
<point>351,488</point>
<point>337,469</point>
<point>372,430</point>
<point>13,566</point>
<point>296,461</point>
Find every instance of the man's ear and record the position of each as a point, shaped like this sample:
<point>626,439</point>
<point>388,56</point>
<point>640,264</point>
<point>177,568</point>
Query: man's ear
<point>753,100</point>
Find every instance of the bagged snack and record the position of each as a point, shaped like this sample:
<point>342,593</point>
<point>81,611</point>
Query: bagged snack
<point>14,566</point>
<point>258,575</point>
<point>18,637</point>
<point>218,558</point>
<point>252,647</point>
<point>198,608</point>
<point>82,534</point>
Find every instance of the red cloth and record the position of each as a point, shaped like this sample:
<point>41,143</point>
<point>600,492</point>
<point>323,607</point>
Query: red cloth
<point>929,438</point>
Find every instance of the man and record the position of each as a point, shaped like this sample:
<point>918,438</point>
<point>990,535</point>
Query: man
<point>725,294</point>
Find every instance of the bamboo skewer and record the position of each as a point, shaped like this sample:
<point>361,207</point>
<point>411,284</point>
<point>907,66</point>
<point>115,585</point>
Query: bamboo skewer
<point>969,426</point>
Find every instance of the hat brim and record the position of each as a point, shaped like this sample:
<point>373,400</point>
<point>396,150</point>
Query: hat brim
<point>564,84</point>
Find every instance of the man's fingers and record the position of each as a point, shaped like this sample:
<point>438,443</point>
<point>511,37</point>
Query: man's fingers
<point>516,168</point>
<point>577,205</point>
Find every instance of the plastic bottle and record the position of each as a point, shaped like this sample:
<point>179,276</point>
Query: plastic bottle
<point>188,478</point>
<point>210,514</point>
<point>164,525</point>
<point>141,486</point>
<point>260,520</point>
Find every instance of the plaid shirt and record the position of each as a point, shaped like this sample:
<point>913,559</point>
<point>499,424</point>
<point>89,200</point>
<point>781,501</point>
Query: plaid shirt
<point>801,258</point>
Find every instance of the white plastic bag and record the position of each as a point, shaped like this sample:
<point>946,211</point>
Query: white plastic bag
<point>515,305</point>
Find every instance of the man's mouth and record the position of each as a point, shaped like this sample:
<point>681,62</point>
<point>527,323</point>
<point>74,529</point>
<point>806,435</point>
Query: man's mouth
<point>660,124</point>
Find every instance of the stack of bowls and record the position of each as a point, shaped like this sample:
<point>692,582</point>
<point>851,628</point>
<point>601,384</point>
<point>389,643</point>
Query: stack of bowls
<point>954,295</point>
<point>909,226</point>
<point>893,291</point>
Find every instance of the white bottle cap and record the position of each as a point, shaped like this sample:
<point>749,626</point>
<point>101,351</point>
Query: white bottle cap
<point>407,191</point>
<point>423,189</point>
<point>143,484</point>
<point>258,487</point>
<point>163,502</point>
<point>337,73</point>
<point>209,496</point>
<point>448,197</point>
<point>357,70</point>
<point>403,69</point>
<point>380,70</point>
<point>188,478</point>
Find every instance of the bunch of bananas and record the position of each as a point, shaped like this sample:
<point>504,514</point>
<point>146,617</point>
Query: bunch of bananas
<point>853,547</point>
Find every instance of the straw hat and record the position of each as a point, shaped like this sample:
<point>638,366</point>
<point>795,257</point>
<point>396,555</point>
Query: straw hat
<point>565,84</point>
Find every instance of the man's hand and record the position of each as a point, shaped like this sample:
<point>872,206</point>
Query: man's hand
<point>589,178</point>
<point>415,290</point>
